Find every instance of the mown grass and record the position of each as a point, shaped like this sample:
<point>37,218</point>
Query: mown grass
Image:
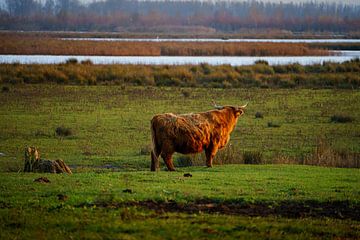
<point>327,75</point>
<point>19,44</point>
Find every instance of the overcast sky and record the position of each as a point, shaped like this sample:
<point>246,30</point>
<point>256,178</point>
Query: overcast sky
<point>356,2</point>
<point>284,1</point>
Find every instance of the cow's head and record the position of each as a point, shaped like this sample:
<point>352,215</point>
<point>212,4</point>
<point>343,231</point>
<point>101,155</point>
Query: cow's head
<point>237,110</point>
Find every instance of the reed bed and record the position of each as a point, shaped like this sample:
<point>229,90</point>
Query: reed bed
<point>32,44</point>
<point>328,75</point>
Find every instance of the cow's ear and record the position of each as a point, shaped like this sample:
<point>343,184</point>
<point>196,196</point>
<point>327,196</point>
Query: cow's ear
<point>239,112</point>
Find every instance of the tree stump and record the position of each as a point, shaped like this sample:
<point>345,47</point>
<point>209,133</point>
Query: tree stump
<point>33,163</point>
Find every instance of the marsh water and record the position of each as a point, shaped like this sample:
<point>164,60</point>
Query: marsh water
<point>216,40</point>
<point>340,56</point>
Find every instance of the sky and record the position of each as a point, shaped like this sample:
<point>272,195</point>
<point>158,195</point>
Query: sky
<point>351,2</point>
<point>357,2</point>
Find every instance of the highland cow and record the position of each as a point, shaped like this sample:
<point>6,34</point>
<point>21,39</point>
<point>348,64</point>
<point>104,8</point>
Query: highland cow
<point>192,133</point>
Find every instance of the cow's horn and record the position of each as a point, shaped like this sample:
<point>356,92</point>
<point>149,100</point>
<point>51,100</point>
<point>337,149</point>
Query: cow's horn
<point>243,106</point>
<point>217,106</point>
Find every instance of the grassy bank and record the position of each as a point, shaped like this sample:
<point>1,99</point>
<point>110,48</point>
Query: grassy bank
<point>20,44</point>
<point>327,75</point>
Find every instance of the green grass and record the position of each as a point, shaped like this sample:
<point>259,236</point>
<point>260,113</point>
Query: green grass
<point>29,209</point>
<point>222,183</point>
<point>110,124</point>
<point>130,223</point>
<point>110,128</point>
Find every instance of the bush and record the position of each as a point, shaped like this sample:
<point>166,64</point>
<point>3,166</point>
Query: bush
<point>71,61</point>
<point>186,93</point>
<point>341,119</point>
<point>5,89</point>
<point>295,68</point>
<point>63,131</point>
<point>261,62</point>
<point>87,62</point>
<point>252,157</point>
<point>259,115</point>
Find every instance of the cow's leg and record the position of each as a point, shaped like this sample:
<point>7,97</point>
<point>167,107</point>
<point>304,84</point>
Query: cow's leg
<point>210,153</point>
<point>168,161</point>
<point>154,161</point>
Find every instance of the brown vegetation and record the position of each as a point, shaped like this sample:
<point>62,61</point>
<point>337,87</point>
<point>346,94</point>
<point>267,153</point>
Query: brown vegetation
<point>326,155</point>
<point>323,154</point>
<point>33,163</point>
<point>31,44</point>
<point>337,46</point>
<point>327,75</point>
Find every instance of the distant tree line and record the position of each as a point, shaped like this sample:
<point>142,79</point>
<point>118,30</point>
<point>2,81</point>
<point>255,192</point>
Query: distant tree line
<point>225,16</point>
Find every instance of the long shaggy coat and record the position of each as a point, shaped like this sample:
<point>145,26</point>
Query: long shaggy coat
<point>191,133</point>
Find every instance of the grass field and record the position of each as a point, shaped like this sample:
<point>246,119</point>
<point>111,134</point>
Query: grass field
<point>110,124</point>
<point>112,193</point>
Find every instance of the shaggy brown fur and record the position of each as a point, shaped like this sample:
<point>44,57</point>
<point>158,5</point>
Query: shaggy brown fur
<point>33,163</point>
<point>191,133</point>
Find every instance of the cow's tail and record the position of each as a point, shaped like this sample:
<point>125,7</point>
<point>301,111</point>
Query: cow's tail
<point>155,152</point>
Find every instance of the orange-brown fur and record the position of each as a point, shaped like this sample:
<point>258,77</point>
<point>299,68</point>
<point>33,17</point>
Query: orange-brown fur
<point>191,133</point>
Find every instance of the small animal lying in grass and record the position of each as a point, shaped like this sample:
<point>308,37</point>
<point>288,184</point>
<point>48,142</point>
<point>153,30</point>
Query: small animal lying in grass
<point>33,163</point>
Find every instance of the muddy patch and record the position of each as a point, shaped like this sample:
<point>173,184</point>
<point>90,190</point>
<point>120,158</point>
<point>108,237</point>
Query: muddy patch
<point>288,209</point>
<point>42,180</point>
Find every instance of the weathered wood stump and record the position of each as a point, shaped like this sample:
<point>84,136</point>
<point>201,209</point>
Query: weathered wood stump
<point>33,163</point>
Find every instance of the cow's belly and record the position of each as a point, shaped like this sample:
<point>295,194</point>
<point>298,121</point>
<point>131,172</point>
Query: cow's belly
<point>189,150</point>
<point>190,146</point>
